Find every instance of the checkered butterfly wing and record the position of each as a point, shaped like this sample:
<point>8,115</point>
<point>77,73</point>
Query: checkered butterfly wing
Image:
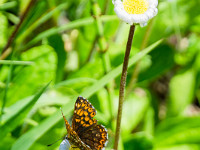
<point>86,127</point>
<point>83,115</point>
<point>95,137</point>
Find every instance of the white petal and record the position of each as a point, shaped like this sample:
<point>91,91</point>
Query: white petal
<point>65,145</point>
<point>142,19</point>
<point>143,24</point>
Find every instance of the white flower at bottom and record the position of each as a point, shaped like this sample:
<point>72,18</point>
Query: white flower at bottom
<point>136,11</point>
<point>65,145</point>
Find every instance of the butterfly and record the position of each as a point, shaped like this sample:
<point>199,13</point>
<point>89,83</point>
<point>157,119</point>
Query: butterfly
<point>85,133</point>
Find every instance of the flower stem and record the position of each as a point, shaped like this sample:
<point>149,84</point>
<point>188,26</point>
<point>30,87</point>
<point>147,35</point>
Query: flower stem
<point>136,70</point>
<point>123,84</point>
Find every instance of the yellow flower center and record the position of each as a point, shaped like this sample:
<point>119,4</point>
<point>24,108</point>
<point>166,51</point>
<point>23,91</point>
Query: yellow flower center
<point>135,6</point>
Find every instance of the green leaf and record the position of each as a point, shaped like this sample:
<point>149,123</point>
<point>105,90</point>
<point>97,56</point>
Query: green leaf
<point>137,105</point>
<point>3,31</point>
<point>27,139</point>
<point>46,100</point>
<point>29,78</point>
<point>17,117</point>
<point>75,84</point>
<point>189,136</point>
<point>5,95</point>
<point>14,109</point>
<point>70,82</point>
<point>182,88</point>
<point>138,141</point>
<point>180,130</point>
<point>179,147</point>
<point>159,62</point>
<point>57,43</point>
<point>8,5</point>
<point>149,121</point>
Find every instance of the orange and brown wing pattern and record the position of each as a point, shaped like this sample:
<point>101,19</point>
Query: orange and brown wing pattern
<point>73,137</point>
<point>95,137</point>
<point>83,115</point>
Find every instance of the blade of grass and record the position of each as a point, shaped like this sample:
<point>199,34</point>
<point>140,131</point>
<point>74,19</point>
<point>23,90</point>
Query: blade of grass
<point>40,21</point>
<point>115,72</point>
<point>14,121</point>
<point>14,109</point>
<point>57,43</point>
<point>71,25</point>
<point>45,100</point>
<point>14,33</point>
<point>8,5</point>
<point>27,140</point>
<point>74,81</point>
<point>13,62</point>
<point>6,90</point>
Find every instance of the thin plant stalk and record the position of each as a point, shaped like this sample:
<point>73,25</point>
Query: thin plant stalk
<point>103,46</point>
<point>136,70</point>
<point>13,35</point>
<point>91,50</point>
<point>174,15</point>
<point>123,84</point>
<point>97,36</point>
<point>106,6</point>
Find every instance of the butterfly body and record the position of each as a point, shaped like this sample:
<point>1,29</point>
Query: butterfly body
<point>85,133</point>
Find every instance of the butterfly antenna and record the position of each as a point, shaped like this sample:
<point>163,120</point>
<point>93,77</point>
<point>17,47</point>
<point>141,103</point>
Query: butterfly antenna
<point>57,141</point>
<point>62,113</point>
<point>66,122</point>
<point>64,117</point>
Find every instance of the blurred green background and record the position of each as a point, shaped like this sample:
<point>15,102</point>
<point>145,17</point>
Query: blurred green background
<point>79,46</point>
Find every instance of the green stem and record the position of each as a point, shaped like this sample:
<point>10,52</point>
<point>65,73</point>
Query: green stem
<point>174,15</point>
<point>96,13</point>
<point>123,84</point>
<point>91,50</point>
<point>103,46</point>
<point>106,6</point>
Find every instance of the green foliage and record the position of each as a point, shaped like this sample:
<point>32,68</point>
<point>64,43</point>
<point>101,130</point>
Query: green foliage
<point>13,120</point>
<point>59,41</point>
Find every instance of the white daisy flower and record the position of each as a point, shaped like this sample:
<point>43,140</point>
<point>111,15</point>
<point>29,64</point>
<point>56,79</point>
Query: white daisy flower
<point>136,11</point>
<point>65,145</point>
